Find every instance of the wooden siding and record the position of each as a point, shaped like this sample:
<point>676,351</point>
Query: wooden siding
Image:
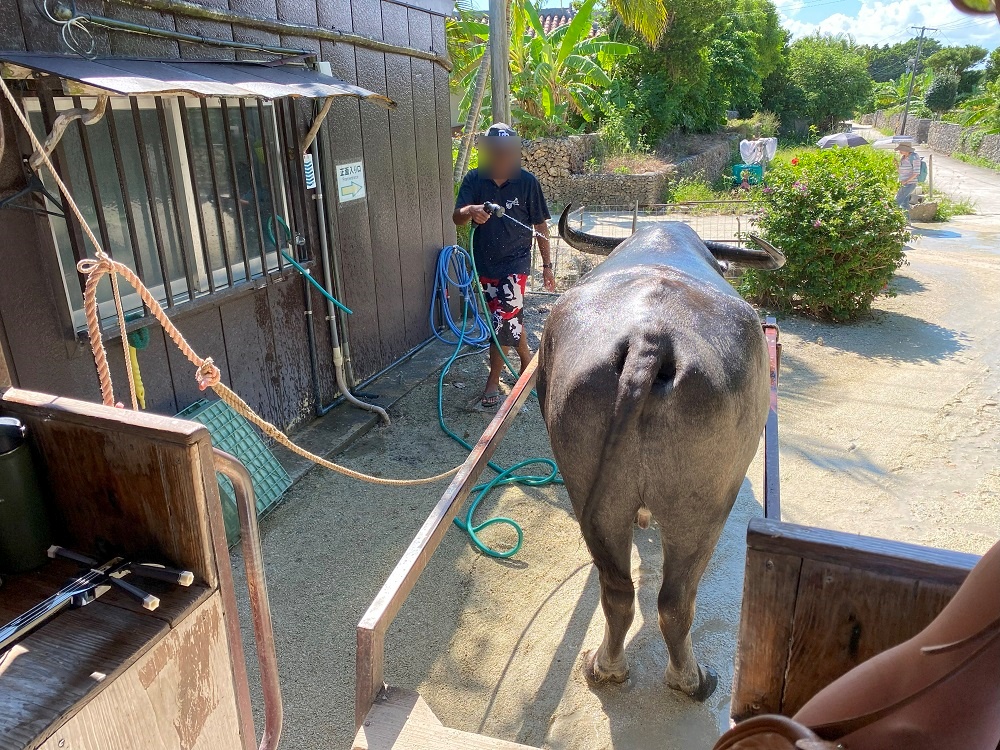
<point>385,245</point>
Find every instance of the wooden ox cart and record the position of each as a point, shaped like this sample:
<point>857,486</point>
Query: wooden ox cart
<point>109,677</point>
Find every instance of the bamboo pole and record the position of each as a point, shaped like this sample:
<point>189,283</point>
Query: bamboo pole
<point>285,28</point>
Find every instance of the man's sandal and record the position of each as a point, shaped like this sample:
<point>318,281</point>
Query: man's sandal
<point>491,399</point>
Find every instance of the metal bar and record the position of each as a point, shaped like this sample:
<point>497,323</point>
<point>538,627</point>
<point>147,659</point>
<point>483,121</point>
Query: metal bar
<point>253,185</point>
<point>187,252</point>
<point>269,169</point>
<point>237,208</point>
<point>140,140</point>
<point>223,240</point>
<point>253,562</point>
<point>133,235</point>
<point>284,28</point>
<point>772,479</point>
<point>202,230</point>
<point>396,589</point>
<point>95,190</point>
<point>76,241</point>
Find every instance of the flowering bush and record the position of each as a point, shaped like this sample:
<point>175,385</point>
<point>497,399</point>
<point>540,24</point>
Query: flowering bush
<point>833,214</point>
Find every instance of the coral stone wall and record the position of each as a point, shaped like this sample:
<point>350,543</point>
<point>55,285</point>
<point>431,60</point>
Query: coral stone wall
<point>560,165</point>
<point>946,137</point>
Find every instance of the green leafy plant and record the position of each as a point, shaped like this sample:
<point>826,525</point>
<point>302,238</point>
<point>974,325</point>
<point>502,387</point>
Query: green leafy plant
<point>833,214</point>
<point>940,96</point>
<point>833,76</point>
<point>948,207</point>
<point>560,74</point>
<point>691,189</point>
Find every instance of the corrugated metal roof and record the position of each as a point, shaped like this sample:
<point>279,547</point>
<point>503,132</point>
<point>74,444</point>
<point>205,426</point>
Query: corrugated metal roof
<point>130,77</point>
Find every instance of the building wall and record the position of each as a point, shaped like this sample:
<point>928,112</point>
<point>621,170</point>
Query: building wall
<point>385,245</point>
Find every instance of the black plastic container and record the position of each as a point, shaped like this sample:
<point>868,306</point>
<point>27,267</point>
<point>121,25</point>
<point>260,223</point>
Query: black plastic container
<point>25,533</point>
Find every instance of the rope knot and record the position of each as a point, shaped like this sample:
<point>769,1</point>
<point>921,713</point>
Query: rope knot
<point>208,375</point>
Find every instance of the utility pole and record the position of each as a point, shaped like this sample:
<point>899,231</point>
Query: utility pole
<point>500,60</point>
<point>913,76</point>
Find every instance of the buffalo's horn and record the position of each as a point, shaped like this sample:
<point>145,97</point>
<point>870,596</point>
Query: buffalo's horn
<point>768,258</point>
<point>585,243</point>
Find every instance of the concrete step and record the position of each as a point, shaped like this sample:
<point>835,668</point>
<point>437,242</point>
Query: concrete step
<point>402,720</point>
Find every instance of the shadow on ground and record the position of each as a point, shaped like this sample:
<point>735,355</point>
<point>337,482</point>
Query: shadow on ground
<point>888,335</point>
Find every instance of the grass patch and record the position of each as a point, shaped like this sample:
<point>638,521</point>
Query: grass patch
<point>787,153</point>
<point>637,163</point>
<point>976,161</point>
<point>949,207</point>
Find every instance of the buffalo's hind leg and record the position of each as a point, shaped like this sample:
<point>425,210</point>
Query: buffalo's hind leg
<point>683,566</point>
<point>611,548</point>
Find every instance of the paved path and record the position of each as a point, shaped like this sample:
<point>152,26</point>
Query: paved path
<point>958,179</point>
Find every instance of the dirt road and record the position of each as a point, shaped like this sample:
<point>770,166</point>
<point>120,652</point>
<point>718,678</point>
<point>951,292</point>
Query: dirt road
<point>889,427</point>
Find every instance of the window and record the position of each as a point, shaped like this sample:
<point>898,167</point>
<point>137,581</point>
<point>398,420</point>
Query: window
<point>189,193</point>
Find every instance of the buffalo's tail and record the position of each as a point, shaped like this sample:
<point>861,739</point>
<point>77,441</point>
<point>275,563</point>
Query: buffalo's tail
<point>643,366</point>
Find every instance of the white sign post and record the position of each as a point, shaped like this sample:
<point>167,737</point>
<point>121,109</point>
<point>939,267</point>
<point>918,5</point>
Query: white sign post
<point>351,181</point>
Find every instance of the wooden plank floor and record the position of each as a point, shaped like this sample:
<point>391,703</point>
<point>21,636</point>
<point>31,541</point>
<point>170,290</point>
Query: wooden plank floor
<point>49,675</point>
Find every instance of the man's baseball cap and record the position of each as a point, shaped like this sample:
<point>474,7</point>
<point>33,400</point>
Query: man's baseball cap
<point>500,133</point>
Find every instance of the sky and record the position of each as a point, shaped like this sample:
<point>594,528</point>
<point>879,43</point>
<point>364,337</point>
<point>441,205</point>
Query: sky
<point>876,21</point>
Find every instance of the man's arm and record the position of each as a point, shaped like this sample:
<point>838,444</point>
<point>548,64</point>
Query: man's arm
<point>473,211</point>
<point>545,250</point>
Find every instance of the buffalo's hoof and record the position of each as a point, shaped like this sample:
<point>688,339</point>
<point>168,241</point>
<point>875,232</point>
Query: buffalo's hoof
<point>596,675</point>
<point>708,681</point>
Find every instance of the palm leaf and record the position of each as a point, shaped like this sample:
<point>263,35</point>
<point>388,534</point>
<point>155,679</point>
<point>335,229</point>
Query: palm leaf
<point>576,31</point>
<point>648,18</point>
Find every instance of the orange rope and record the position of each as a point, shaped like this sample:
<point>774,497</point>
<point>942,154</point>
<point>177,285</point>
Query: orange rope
<point>206,373</point>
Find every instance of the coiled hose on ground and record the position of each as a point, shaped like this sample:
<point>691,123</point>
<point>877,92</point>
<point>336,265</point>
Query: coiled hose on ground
<point>456,268</point>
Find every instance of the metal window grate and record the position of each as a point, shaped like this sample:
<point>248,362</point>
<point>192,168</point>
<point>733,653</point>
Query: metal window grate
<point>233,434</point>
<point>192,194</point>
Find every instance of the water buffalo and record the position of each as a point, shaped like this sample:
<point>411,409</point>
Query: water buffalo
<point>653,381</point>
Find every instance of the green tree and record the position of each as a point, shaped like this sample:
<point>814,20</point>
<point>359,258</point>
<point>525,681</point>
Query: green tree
<point>832,75</point>
<point>959,59</point>
<point>670,85</point>
<point>889,62</point>
<point>749,47</point>
<point>992,71</point>
<point>940,96</point>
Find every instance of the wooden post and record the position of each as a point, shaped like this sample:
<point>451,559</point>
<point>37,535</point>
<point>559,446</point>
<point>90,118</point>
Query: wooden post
<point>500,60</point>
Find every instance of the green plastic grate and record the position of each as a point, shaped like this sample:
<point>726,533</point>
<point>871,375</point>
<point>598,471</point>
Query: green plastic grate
<point>233,434</point>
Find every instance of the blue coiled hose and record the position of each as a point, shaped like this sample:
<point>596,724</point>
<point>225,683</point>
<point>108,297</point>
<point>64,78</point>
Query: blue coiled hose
<point>457,267</point>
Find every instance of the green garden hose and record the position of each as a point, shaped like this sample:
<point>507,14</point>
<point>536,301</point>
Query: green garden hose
<point>503,476</point>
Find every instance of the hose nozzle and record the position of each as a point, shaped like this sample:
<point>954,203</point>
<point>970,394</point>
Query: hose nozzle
<point>493,209</point>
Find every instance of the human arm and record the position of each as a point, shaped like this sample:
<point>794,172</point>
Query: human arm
<point>538,212</point>
<point>473,211</point>
<point>468,203</point>
<point>545,250</point>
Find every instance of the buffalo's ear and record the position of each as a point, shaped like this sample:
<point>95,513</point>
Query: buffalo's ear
<point>585,243</point>
<point>768,258</point>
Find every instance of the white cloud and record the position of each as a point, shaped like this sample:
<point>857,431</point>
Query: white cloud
<point>888,22</point>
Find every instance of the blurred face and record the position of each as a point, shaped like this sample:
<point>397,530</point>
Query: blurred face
<point>499,161</point>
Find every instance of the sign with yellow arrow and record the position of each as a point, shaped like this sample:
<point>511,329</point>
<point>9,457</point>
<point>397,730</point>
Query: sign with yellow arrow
<point>351,181</point>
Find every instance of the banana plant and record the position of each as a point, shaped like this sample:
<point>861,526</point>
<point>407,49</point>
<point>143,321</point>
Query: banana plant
<point>558,74</point>
<point>984,110</point>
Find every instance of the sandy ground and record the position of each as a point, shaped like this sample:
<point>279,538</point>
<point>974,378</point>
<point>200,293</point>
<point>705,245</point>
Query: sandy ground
<point>890,427</point>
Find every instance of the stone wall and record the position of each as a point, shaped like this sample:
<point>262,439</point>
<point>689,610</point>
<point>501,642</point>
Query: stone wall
<point>946,137</point>
<point>554,160</point>
<point>560,165</point>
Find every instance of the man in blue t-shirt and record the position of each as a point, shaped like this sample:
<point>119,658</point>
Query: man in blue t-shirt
<point>502,249</point>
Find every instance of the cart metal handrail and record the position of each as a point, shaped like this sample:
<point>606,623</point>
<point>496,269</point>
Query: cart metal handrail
<point>772,481</point>
<point>263,629</point>
<point>370,663</point>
